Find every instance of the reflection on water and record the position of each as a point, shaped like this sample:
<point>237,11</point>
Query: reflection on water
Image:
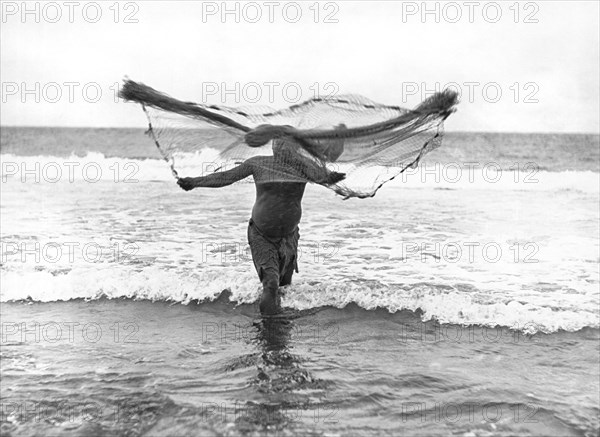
<point>281,378</point>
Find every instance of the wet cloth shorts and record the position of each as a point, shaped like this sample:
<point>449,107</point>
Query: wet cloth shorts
<point>276,256</point>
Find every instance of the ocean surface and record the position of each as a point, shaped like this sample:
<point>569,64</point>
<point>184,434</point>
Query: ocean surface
<point>463,299</point>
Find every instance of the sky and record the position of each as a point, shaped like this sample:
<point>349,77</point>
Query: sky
<point>518,66</point>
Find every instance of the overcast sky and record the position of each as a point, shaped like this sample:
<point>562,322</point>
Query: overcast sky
<point>538,74</point>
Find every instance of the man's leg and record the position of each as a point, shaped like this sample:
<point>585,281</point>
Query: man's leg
<point>270,301</point>
<point>266,261</point>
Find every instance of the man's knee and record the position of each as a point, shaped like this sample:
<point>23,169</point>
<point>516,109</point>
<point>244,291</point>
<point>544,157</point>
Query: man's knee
<point>269,301</point>
<point>270,282</point>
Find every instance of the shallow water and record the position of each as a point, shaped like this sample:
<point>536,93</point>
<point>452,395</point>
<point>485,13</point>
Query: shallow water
<point>149,368</point>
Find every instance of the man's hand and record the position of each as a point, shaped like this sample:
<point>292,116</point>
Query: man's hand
<point>334,177</point>
<point>186,183</point>
<point>331,178</point>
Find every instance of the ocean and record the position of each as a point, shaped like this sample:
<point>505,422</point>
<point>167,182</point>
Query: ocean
<point>463,299</point>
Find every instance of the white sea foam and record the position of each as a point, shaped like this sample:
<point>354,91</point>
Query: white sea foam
<point>396,251</point>
<point>447,304</point>
<point>96,167</point>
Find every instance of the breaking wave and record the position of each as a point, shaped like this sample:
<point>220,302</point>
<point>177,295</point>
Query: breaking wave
<point>452,304</point>
<point>95,167</point>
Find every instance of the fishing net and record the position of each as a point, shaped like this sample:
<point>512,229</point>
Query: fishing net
<point>346,143</point>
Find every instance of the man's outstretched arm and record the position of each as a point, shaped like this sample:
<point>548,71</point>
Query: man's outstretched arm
<point>216,180</point>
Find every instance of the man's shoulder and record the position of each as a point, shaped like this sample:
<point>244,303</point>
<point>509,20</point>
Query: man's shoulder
<point>260,158</point>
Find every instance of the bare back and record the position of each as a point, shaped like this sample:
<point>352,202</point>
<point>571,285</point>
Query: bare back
<point>278,206</point>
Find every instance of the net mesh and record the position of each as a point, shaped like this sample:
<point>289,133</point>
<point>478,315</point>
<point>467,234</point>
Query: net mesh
<point>347,143</point>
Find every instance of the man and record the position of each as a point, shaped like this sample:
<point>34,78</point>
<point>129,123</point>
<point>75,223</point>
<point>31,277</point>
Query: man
<point>273,233</point>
